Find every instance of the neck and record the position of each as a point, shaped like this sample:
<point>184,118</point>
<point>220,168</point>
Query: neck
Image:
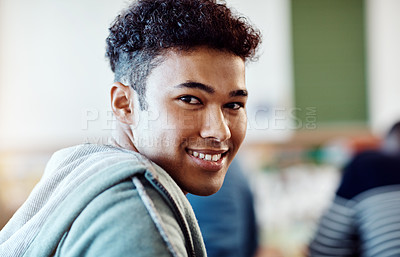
<point>122,137</point>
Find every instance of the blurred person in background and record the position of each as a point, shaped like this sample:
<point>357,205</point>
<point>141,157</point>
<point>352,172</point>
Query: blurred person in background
<point>184,61</point>
<point>364,218</point>
<point>227,218</point>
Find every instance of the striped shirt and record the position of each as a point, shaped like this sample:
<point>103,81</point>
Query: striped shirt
<point>364,218</point>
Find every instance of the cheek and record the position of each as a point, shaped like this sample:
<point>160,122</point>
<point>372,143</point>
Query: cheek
<point>238,129</point>
<point>175,130</point>
<point>181,125</point>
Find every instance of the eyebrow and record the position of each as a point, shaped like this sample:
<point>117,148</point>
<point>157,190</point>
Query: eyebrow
<point>197,85</point>
<point>239,92</point>
<point>209,89</point>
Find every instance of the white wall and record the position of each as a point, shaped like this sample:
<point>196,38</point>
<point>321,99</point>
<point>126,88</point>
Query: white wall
<point>383,30</point>
<point>52,70</point>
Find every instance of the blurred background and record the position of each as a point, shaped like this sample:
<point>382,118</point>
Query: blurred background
<point>325,87</point>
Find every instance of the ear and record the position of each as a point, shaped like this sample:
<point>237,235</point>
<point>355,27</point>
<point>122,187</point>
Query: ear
<point>122,102</point>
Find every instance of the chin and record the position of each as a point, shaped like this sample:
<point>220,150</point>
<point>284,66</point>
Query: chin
<point>207,190</point>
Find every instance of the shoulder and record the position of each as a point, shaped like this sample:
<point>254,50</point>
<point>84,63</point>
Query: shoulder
<point>103,212</point>
<point>108,221</point>
<point>117,222</point>
<point>100,212</point>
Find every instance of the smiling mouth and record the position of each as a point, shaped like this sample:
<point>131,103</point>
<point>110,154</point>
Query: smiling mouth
<point>206,157</point>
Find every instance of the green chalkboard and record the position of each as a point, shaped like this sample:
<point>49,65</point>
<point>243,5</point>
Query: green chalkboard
<point>329,60</point>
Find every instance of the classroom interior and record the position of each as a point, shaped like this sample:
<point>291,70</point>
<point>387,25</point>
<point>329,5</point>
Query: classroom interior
<point>325,87</point>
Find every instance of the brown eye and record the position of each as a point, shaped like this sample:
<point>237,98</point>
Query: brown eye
<point>234,106</point>
<point>190,99</point>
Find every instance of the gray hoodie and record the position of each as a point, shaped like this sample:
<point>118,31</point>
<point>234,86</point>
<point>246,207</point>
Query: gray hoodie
<point>97,200</point>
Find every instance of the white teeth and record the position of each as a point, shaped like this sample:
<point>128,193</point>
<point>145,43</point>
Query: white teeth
<point>216,157</point>
<point>207,157</point>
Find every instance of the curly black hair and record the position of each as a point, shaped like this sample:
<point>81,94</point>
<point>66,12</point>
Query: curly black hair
<point>141,33</point>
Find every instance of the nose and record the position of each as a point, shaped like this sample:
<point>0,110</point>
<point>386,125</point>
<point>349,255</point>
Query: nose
<point>215,126</point>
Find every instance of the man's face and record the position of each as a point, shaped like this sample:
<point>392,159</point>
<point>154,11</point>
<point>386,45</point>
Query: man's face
<point>196,120</point>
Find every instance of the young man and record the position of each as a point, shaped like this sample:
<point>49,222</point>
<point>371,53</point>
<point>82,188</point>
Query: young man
<point>179,98</point>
